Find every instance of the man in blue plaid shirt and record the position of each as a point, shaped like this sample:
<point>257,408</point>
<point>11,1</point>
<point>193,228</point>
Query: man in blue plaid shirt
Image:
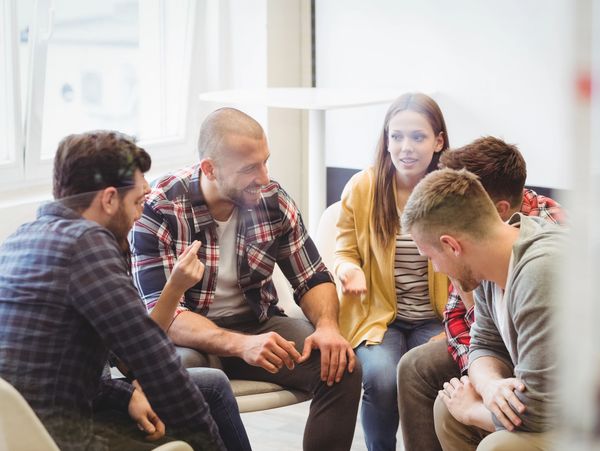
<point>247,223</point>
<point>66,299</point>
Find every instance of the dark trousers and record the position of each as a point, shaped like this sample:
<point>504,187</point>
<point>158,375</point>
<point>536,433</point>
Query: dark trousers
<point>332,417</point>
<point>422,371</point>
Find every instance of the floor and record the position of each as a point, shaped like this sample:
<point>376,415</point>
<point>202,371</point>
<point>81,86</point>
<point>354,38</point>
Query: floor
<point>281,429</point>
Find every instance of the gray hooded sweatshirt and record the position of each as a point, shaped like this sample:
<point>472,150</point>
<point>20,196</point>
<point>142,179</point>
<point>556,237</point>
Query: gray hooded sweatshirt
<point>529,321</point>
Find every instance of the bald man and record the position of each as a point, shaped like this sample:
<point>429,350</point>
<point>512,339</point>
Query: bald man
<point>247,223</point>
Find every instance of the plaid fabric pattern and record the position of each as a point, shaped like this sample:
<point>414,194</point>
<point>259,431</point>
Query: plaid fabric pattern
<point>175,214</point>
<point>65,300</point>
<point>457,319</point>
<point>457,322</point>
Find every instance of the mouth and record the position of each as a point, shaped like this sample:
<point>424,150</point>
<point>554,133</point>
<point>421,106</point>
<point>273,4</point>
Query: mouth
<point>408,160</point>
<point>254,191</point>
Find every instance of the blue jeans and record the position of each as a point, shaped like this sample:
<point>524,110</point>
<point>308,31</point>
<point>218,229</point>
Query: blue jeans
<point>216,389</point>
<point>379,411</point>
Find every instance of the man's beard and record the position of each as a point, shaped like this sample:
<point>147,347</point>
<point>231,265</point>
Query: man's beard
<point>119,226</point>
<point>238,197</point>
<point>467,282</point>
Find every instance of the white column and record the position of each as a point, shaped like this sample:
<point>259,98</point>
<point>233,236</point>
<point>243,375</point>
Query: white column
<point>316,174</point>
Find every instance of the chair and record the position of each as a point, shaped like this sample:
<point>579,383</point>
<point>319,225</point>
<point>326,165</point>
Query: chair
<point>326,234</point>
<point>22,430</point>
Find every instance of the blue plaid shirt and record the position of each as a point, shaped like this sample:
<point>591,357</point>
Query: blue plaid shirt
<point>65,300</point>
<point>175,214</point>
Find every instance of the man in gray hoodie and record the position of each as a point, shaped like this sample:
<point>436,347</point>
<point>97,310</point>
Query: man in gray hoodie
<point>509,395</point>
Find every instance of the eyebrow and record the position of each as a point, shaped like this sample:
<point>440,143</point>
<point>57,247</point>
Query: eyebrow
<point>243,168</point>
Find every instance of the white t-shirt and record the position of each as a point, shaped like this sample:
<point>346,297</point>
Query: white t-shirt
<point>228,295</point>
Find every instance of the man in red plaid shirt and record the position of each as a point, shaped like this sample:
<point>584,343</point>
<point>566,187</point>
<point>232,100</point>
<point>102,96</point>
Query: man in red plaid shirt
<point>247,223</point>
<point>423,370</point>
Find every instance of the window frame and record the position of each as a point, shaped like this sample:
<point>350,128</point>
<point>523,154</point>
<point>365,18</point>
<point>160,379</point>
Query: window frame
<point>12,169</point>
<point>27,166</point>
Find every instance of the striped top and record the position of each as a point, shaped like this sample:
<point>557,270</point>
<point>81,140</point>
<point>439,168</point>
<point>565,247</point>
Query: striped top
<point>410,275</point>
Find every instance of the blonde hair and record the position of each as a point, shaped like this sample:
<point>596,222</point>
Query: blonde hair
<point>449,201</point>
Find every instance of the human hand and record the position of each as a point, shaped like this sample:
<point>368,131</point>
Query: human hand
<point>188,269</point>
<point>336,353</point>
<point>141,412</point>
<point>353,281</point>
<point>499,397</point>
<point>460,398</point>
<point>439,337</point>
<point>269,351</point>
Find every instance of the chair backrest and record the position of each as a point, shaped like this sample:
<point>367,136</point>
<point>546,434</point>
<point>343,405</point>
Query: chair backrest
<point>20,428</point>
<point>326,234</point>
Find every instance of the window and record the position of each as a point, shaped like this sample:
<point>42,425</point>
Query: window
<point>10,118</point>
<point>98,64</point>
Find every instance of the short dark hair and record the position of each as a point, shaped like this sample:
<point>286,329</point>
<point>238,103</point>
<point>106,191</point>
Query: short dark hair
<point>500,167</point>
<point>91,161</point>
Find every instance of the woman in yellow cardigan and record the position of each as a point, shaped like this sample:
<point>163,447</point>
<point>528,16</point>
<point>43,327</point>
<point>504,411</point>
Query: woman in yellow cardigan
<point>392,300</point>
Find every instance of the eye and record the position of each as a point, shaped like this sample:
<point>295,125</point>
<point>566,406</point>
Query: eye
<point>419,137</point>
<point>247,170</point>
<point>396,137</point>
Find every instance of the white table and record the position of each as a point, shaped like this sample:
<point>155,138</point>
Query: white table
<point>316,101</point>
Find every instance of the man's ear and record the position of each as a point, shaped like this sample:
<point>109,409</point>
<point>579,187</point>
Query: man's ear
<point>207,166</point>
<point>448,242</point>
<point>109,200</point>
<point>503,207</point>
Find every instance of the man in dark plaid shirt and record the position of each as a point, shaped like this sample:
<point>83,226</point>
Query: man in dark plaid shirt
<point>66,299</point>
<point>247,224</point>
<point>502,171</point>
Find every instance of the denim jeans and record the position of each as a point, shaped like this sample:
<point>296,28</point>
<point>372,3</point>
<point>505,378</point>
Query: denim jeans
<point>379,411</point>
<point>216,389</point>
<point>119,432</point>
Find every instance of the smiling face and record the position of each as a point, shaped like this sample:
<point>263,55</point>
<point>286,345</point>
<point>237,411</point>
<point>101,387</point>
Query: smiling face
<point>241,172</point>
<point>412,143</point>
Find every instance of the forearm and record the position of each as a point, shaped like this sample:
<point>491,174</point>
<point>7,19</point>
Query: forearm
<point>164,310</point>
<point>192,330</point>
<point>321,306</point>
<point>487,368</point>
<point>481,417</point>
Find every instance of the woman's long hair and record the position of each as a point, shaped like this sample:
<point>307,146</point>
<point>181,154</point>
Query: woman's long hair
<point>385,218</point>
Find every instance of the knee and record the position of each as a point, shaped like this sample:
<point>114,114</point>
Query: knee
<point>408,366</point>
<point>379,377</point>
<point>498,441</point>
<point>190,358</point>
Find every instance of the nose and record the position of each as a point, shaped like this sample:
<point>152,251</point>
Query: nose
<point>406,145</point>
<point>262,177</point>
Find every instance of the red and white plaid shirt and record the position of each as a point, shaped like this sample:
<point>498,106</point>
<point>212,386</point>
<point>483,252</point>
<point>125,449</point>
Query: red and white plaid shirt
<point>457,319</point>
<point>175,214</point>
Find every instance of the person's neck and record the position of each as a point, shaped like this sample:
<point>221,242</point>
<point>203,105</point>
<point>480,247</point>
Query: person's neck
<point>495,252</point>
<point>219,208</point>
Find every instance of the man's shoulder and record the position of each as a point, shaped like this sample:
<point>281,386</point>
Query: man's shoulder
<point>174,185</point>
<point>277,205</point>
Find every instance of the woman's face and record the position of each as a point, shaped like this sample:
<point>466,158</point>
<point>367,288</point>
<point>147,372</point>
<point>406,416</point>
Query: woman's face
<point>412,143</point>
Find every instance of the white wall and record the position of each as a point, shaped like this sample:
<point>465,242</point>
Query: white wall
<point>496,68</point>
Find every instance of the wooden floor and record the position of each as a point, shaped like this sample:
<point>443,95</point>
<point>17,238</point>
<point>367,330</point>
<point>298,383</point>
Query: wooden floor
<point>281,429</point>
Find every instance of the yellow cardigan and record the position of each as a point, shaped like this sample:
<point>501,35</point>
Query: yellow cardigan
<point>366,317</point>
